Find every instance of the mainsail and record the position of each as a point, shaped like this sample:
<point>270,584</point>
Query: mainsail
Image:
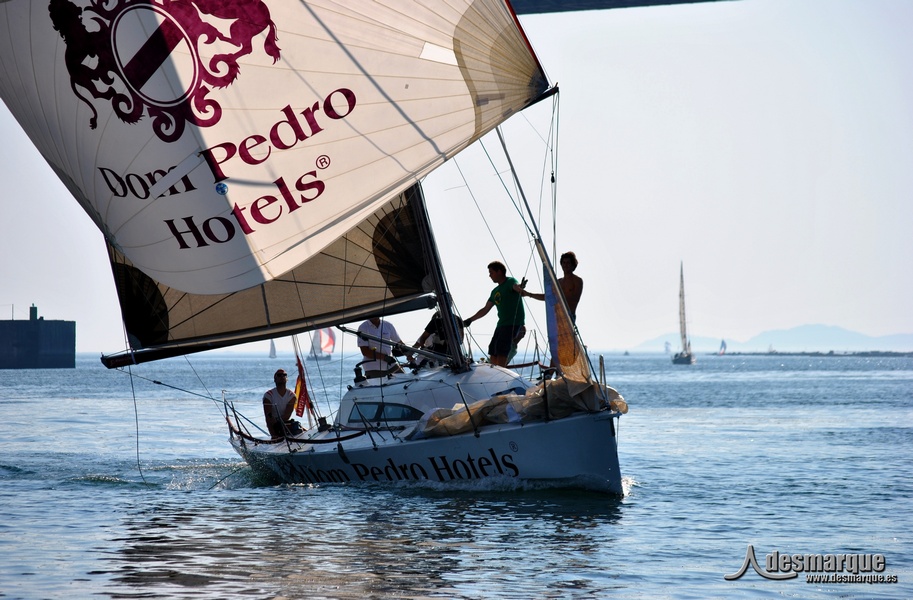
<point>252,164</point>
<point>686,345</point>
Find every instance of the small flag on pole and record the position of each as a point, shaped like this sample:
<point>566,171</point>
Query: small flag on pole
<point>301,393</point>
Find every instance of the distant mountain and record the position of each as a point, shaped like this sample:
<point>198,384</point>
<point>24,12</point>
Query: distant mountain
<point>805,338</point>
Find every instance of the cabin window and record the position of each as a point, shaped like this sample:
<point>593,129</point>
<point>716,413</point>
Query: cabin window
<point>373,412</point>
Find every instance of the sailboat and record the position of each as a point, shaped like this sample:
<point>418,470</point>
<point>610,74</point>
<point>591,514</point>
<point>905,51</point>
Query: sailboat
<point>272,349</point>
<point>255,168</point>
<point>722,347</point>
<point>323,342</point>
<point>685,357</point>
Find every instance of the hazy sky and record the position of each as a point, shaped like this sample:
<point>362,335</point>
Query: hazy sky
<point>766,144</point>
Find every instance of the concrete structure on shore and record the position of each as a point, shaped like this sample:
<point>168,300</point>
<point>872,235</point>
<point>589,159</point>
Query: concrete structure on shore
<point>37,343</point>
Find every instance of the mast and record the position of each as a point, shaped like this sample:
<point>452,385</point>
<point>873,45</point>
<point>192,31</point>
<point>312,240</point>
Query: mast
<point>444,302</point>
<point>585,364</point>
<point>537,238</point>
<point>681,309</point>
<point>315,342</point>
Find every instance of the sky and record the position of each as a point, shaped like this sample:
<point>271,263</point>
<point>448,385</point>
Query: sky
<point>765,145</point>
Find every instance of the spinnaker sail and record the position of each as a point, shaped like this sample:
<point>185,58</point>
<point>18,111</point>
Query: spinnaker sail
<point>246,170</point>
<point>323,342</point>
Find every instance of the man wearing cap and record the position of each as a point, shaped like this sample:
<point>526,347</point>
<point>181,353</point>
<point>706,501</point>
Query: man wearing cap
<point>278,404</point>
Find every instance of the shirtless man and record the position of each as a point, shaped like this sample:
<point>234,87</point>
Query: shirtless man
<point>571,285</point>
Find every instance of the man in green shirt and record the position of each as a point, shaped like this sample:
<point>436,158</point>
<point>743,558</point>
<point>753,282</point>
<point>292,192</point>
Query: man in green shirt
<point>511,318</point>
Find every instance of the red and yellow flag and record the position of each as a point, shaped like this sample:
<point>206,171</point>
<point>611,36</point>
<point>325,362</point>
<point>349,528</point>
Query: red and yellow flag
<point>301,393</point>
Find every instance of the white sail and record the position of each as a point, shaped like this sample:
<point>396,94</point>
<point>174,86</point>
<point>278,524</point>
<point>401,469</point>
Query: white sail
<point>681,310</point>
<point>244,169</point>
<point>685,357</point>
<point>217,153</point>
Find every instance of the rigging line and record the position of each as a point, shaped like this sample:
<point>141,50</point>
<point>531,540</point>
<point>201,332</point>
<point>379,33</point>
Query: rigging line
<point>323,384</point>
<point>308,380</point>
<point>547,141</point>
<point>209,397</point>
<point>547,161</point>
<point>387,423</point>
<point>479,210</point>
<point>311,410</point>
<point>342,340</point>
<point>132,375</point>
<point>530,314</point>
<point>471,339</point>
<point>233,472</point>
<point>513,200</point>
<point>367,426</point>
<point>239,415</point>
<point>487,226</point>
<point>136,423</point>
<point>200,379</point>
<point>555,123</point>
<point>301,305</point>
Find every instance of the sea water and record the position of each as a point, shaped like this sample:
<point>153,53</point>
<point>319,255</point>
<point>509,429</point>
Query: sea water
<point>112,485</point>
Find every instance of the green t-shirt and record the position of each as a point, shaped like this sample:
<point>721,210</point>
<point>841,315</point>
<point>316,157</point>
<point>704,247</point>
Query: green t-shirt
<point>509,303</point>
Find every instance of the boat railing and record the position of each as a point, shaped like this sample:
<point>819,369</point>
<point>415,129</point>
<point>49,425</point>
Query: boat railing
<point>245,435</point>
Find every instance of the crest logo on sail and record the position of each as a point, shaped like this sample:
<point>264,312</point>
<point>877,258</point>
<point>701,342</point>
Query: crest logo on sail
<point>133,53</point>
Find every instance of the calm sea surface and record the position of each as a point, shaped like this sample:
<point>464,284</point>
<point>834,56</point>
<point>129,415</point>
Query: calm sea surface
<point>112,486</point>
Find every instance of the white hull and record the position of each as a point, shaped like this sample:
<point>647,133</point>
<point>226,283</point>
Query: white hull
<point>577,451</point>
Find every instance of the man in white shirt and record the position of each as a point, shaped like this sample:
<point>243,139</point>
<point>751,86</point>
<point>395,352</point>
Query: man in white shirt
<point>378,353</point>
<point>278,404</point>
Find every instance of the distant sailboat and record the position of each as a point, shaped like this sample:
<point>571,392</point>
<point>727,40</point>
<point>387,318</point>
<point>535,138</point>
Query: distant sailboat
<point>722,347</point>
<point>323,342</point>
<point>272,349</point>
<point>685,357</point>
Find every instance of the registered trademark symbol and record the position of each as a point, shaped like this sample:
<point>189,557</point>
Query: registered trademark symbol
<point>514,447</point>
<point>323,161</point>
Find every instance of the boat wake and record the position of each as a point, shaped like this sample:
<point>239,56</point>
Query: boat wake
<point>496,484</point>
<point>627,484</point>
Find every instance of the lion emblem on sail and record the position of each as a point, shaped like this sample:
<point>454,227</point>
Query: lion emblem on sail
<point>133,53</point>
